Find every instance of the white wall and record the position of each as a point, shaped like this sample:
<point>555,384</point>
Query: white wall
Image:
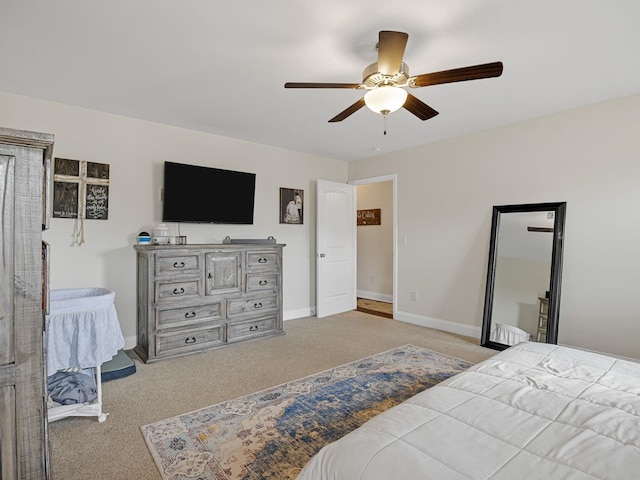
<point>375,243</point>
<point>135,151</point>
<point>587,157</point>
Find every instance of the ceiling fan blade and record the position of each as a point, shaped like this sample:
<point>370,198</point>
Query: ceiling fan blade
<point>348,111</point>
<point>419,108</point>
<point>321,85</point>
<point>475,72</point>
<point>391,47</point>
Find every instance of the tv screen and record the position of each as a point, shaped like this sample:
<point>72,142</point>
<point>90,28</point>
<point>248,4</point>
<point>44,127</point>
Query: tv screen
<point>207,195</point>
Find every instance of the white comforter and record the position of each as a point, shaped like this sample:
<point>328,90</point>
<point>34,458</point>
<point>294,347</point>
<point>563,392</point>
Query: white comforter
<point>534,411</point>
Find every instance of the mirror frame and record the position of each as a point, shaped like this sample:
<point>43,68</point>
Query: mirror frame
<point>559,209</point>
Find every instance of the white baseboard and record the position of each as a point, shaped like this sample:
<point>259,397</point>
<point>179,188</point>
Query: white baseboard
<point>381,297</point>
<point>444,325</point>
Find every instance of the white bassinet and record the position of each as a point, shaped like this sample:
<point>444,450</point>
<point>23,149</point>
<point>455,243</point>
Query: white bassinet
<point>82,332</point>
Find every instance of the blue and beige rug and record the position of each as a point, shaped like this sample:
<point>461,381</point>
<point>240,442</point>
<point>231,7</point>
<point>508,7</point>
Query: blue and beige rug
<point>273,433</point>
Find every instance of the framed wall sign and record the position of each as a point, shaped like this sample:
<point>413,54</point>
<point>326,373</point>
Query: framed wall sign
<point>369,217</point>
<point>291,205</point>
<point>80,189</point>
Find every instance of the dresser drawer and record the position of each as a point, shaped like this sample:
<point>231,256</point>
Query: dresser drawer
<point>173,263</point>
<point>262,260</point>
<point>242,330</point>
<point>174,289</point>
<point>257,282</point>
<point>241,306</point>
<point>176,342</point>
<point>188,315</point>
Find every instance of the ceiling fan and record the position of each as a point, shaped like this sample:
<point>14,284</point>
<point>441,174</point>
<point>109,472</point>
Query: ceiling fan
<point>385,80</point>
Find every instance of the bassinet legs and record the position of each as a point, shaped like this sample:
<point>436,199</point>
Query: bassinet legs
<point>89,409</point>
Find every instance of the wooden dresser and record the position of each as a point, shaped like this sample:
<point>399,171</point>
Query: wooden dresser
<point>193,298</point>
<point>24,174</point>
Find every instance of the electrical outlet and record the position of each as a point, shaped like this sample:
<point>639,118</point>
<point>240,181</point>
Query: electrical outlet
<point>414,295</point>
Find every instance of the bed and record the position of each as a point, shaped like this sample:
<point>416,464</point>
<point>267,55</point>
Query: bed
<point>534,411</point>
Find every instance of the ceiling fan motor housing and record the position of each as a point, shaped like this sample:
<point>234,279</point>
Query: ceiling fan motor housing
<point>372,78</point>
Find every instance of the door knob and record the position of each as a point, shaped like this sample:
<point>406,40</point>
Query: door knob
<point>322,255</point>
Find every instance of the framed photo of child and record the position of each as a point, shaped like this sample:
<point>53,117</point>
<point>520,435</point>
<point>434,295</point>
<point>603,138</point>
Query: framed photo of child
<point>291,206</point>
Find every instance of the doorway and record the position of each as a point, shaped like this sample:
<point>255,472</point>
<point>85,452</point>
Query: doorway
<point>376,251</point>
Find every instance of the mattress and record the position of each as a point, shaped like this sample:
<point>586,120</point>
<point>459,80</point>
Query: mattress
<point>534,411</point>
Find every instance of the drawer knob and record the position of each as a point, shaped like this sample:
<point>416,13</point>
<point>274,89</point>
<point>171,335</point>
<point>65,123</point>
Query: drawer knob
<point>257,305</point>
<point>178,291</point>
<point>262,260</point>
<point>178,265</point>
<point>189,340</point>
<point>262,282</point>
<point>253,328</point>
<point>190,315</point>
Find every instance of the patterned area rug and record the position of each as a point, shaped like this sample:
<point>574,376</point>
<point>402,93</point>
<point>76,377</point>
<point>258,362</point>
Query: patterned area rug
<point>273,433</point>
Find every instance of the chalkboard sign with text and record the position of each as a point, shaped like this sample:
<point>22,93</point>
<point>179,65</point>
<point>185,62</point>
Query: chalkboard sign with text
<point>369,217</point>
<point>80,189</point>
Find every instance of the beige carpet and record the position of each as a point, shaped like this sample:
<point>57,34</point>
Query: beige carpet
<point>82,448</point>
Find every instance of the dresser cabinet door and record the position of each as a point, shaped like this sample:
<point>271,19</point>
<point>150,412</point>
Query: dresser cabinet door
<point>6,264</point>
<point>23,425</point>
<point>7,362</point>
<point>223,271</point>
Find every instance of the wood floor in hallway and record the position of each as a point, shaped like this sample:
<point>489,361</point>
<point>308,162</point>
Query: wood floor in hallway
<point>375,307</point>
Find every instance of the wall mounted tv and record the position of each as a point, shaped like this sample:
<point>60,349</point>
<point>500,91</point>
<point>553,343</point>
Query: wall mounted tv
<point>199,194</point>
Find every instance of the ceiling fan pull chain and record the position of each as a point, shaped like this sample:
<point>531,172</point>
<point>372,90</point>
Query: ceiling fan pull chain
<point>384,115</point>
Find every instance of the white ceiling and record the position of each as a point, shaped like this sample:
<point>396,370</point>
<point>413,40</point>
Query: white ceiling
<point>220,67</point>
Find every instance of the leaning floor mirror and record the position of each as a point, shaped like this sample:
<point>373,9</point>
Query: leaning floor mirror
<point>522,297</point>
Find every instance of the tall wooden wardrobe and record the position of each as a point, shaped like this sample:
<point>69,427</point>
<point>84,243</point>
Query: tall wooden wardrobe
<point>24,161</point>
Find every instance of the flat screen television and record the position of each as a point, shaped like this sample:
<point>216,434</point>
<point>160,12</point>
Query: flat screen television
<point>199,194</point>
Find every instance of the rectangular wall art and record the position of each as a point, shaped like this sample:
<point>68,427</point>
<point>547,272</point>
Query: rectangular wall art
<point>291,205</point>
<point>369,217</point>
<point>80,189</point>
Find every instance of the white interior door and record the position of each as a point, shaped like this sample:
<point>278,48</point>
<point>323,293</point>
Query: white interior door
<point>336,248</point>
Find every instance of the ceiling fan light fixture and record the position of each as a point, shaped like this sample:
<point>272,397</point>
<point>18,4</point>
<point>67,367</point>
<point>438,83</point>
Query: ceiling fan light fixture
<point>385,99</point>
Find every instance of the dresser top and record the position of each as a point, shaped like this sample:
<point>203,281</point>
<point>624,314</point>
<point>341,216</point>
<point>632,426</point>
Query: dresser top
<point>190,246</point>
